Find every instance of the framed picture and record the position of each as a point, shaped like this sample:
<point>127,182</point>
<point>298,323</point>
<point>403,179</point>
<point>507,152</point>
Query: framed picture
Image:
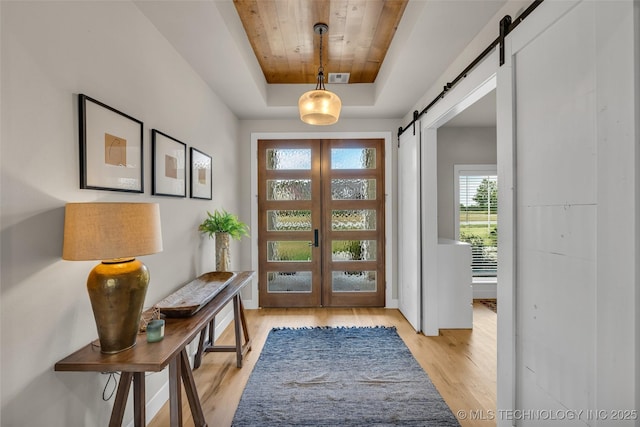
<point>168,165</point>
<point>110,148</point>
<point>201,174</point>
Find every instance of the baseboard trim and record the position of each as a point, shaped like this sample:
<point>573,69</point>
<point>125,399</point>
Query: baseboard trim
<point>250,304</point>
<point>155,404</point>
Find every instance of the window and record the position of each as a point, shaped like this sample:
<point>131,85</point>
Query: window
<point>476,221</point>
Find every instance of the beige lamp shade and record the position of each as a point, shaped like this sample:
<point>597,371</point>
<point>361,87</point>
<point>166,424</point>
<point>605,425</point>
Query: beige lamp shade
<point>319,107</point>
<point>103,231</point>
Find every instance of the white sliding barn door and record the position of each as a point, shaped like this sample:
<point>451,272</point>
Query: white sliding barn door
<point>409,228</point>
<point>576,206</point>
<point>556,221</point>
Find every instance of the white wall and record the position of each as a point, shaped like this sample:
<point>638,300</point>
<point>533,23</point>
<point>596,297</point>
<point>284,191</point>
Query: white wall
<point>459,146</point>
<point>484,38</point>
<point>51,51</point>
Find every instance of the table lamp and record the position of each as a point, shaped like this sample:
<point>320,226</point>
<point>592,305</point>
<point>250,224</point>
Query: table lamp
<point>114,233</point>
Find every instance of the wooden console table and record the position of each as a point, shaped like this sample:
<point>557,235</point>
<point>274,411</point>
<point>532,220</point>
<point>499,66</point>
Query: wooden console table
<point>171,351</point>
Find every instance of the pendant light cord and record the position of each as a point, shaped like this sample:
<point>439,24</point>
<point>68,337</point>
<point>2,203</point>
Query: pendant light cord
<point>320,84</point>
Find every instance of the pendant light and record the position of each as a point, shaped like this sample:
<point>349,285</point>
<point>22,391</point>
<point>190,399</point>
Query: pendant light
<point>319,106</point>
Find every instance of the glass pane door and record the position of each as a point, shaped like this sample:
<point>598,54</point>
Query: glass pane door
<point>353,232</point>
<point>290,261</point>
<point>321,217</point>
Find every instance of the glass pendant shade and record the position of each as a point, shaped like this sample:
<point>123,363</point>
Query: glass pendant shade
<point>319,107</point>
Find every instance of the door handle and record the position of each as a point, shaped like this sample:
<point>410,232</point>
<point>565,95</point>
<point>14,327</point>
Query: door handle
<point>315,237</point>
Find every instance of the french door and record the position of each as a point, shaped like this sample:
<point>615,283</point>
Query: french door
<point>321,223</point>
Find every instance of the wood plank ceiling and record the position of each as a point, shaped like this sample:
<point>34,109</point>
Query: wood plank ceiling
<point>282,37</point>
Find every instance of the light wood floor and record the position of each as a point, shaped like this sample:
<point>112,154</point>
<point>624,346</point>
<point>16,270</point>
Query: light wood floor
<point>461,363</point>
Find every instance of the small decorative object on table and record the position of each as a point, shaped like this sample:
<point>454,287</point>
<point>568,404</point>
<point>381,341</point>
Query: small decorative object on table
<point>224,226</point>
<point>155,330</point>
<point>147,316</point>
<point>193,296</point>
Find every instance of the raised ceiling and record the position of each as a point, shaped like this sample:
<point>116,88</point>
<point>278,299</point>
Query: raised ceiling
<point>209,35</point>
<point>281,35</point>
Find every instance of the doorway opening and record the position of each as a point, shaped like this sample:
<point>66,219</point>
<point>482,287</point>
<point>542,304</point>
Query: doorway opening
<point>468,189</point>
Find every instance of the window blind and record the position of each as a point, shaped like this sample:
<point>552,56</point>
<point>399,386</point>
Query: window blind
<point>478,220</point>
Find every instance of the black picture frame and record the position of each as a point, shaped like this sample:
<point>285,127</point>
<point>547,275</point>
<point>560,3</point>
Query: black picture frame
<point>111,149</point>
<point>168,165</point>
<point>201,175</point>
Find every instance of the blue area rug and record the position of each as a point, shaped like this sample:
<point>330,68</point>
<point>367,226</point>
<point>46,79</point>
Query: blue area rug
<point>339,377</point>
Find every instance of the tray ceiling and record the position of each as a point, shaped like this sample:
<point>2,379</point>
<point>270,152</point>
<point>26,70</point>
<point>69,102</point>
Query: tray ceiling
<point>281,35</point>
<point>430,35</point>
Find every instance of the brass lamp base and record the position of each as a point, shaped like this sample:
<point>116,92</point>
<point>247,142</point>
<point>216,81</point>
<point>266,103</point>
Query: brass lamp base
<point>117,289</point>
